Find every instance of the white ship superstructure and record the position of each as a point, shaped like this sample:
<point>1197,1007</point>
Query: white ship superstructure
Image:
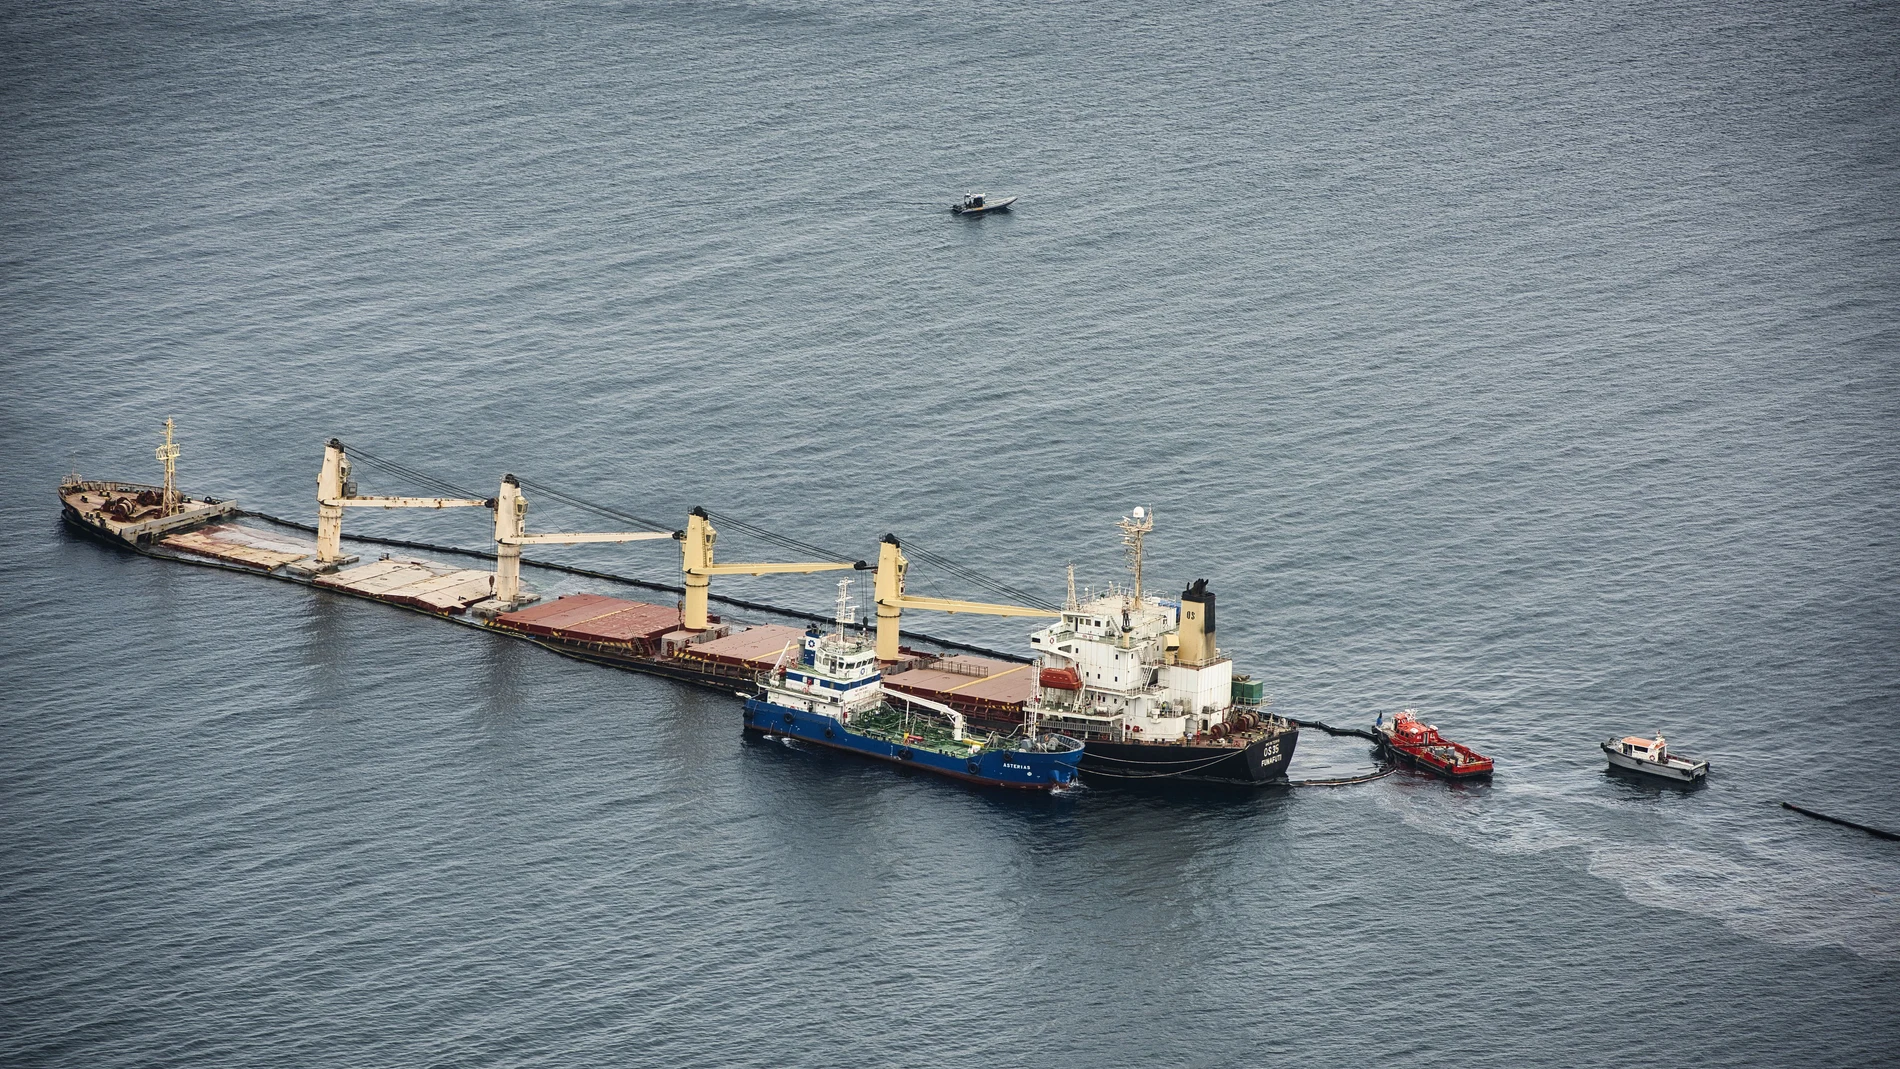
<point>1127,665</point>
<point>1119,664</point>
<point>836,675</point>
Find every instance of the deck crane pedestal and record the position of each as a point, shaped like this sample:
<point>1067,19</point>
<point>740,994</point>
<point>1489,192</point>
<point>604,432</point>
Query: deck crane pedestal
<point>892,601</point>
<point>511,514</point>
<point>697,553</point>
<point>337,491</point>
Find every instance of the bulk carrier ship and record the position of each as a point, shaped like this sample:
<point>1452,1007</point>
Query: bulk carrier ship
<point>1139,678</point>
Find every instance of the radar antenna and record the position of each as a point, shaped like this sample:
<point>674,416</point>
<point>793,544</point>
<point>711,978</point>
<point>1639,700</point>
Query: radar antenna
<point>1134,529</point>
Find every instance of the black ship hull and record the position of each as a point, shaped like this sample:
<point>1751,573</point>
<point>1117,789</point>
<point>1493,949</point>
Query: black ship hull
<point>1258,762</point>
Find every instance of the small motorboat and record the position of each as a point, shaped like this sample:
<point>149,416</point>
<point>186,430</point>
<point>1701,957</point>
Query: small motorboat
<point>1651,757</point>
<point>980,204</point>
<point>1408,738</point>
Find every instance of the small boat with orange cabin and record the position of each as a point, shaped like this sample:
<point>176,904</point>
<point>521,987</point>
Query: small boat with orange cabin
<point>1652,757</point>
<point>1410,739</point>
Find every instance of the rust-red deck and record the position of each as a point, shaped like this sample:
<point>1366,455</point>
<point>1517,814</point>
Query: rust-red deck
<point>424,584</point>
<point>593,618</point>
<point>991,685</point>
<point>241,545</point>
<point>756,648</point>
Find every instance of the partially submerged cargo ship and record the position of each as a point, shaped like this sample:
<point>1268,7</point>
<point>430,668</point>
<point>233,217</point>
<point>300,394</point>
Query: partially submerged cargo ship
<point>1138,677</point>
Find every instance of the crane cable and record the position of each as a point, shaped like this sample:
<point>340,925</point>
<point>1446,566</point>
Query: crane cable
<point>589,506</point>
<point>726,520</point>
<point>782,541</point>
<point>423,478</point>
<point>971,575</point>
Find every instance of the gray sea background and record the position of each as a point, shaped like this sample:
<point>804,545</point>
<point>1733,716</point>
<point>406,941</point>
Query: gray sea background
<point>1533,365</point>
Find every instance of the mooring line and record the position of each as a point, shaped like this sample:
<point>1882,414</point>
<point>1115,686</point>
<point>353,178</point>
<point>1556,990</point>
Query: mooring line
<point>1345,781</point>
<point>1357,733</point>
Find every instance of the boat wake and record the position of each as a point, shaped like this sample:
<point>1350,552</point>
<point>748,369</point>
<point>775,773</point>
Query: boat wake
<point>1764,879</point>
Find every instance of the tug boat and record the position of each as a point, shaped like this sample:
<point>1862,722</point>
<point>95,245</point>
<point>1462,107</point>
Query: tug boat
<point>834,696</point>
<point>980,204</point>
<point>1409,739</point>
<point>1651,757</point>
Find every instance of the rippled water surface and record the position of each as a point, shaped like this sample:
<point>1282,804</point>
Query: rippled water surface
<point>1533,365</point>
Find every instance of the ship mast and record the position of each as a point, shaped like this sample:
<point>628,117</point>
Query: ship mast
<point>1134,529</point>
<point>169,454</point>
<point>845,606</point>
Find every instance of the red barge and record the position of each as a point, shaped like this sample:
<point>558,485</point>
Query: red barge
<point>1409,739</point>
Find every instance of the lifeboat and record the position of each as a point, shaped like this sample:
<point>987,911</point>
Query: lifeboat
<point>1410,739</point>
<point>1062,678</point>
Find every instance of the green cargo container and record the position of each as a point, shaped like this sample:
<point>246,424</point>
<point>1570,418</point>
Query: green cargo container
<point>1248,691</point>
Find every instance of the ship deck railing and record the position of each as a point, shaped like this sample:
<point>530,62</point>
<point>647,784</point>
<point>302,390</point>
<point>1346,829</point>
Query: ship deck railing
<point>899,727</point>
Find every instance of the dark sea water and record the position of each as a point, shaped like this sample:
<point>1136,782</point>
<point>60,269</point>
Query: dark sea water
<point>1534,365</point>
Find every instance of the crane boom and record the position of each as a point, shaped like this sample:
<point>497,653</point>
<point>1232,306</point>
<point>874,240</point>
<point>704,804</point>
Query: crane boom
<point>774,569</point>
<point>408,502</point>
<point>577,538</point>
<point>978,608</point>
<point>336,491</point>
<point>696,553</point>
<point>511,519</point>
<point>892,601</point>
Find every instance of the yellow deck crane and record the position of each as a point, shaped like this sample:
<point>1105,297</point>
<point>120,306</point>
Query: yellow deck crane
<point>697,553</point>
<point>511,516</point>
<point>892,601</point>
<point>337,491</point>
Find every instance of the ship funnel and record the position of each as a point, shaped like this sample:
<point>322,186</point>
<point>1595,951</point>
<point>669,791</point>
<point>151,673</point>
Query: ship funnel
<point>1197,624</point>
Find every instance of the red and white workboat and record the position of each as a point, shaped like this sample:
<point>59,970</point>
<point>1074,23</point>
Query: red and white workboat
<point>1410,739</point>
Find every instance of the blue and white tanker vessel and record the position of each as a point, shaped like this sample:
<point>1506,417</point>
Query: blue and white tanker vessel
<point>834,696</point>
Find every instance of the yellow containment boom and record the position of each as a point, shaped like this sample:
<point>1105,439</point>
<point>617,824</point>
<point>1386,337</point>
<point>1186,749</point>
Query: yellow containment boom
<point>511,518</point>
<point>335,492</point>
<point>892,601</point>
<point>697,553</point>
